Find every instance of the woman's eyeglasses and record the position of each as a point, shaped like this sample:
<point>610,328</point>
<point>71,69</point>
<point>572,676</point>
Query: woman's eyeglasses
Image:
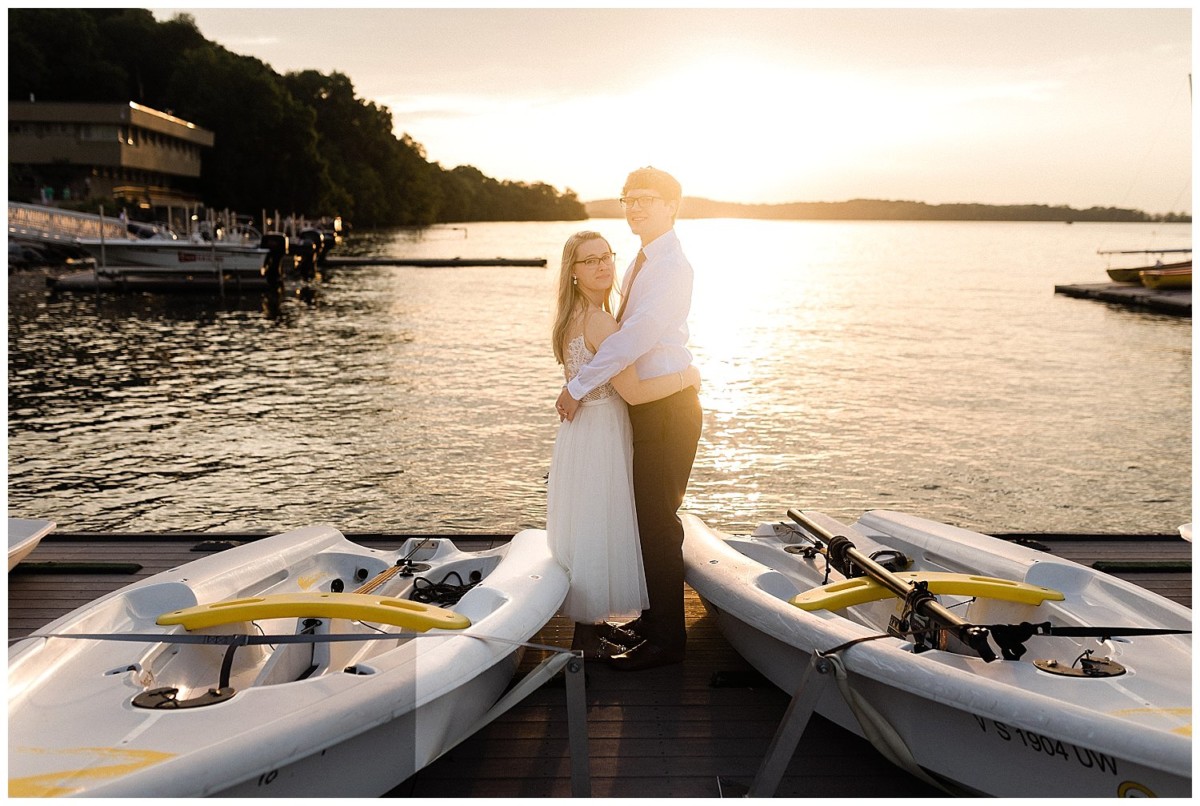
<point>593,262</point>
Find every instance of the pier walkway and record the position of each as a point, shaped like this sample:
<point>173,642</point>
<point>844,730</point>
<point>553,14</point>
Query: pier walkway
<point>431,263</point>
<point>1177,302</point>
<point>698,729</point>
<point>36,224</point>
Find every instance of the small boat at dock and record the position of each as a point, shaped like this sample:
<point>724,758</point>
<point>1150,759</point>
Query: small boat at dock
<point>189,266</point>
<point>981,666</point>
<point>298,665</point>
<point>1166,278</point>
<point>1133,274</point>
<point>169,255</point>
<point>24,535</point>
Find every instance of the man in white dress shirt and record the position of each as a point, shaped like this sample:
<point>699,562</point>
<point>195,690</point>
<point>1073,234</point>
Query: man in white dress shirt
<point>656,298</point>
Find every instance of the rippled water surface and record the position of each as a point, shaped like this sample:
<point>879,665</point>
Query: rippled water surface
<point>928,367</point>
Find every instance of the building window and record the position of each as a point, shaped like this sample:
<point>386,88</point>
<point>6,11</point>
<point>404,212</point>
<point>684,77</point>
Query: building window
<point>99,133</point>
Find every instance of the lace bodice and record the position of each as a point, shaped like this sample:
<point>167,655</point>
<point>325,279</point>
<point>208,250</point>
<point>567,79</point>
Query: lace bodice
<point>577,355</point>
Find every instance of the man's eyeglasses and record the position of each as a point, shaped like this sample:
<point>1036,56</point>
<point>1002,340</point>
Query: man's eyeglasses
<point>593,262</point>
<point>639,201</point>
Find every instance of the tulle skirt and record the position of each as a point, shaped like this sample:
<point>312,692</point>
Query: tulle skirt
<point>590,517</point>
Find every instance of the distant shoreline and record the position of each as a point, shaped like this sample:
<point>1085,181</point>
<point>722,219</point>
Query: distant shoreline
<point>883,210</point>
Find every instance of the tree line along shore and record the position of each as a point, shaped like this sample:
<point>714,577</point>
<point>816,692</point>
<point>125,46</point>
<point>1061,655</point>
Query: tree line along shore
<point>884,210</point>
<point>306,143</point>
<point>301,142</point>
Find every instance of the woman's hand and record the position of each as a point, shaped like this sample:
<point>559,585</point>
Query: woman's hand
<point>691,376</point>
<point>566,406</point>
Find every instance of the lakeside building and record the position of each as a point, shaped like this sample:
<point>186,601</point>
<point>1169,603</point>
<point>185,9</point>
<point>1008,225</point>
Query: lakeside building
<point>126,152</point>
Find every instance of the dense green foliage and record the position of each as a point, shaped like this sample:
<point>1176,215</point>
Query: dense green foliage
<point>300,142</point>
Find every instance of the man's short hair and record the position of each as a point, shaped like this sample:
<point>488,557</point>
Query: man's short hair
<point>649,178</point>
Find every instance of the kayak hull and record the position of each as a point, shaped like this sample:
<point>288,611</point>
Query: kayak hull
<point>24,535</point>
<point>339,718</point>
<point>1005,728</point>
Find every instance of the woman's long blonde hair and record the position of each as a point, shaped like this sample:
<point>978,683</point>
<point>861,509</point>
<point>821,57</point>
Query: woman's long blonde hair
<point>570,300</point>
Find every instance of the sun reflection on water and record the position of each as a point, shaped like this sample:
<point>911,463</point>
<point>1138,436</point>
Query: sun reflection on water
<point>926,367</point>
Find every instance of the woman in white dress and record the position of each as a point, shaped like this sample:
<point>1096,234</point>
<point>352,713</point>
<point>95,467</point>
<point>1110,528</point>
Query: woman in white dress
<point>590,515</point>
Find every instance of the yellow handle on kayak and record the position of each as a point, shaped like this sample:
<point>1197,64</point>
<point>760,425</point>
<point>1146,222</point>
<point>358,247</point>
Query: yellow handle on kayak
<point>414,616</point>
<point>860,590</point>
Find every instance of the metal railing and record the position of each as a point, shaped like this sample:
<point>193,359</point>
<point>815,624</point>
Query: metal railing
<point>51,224</point>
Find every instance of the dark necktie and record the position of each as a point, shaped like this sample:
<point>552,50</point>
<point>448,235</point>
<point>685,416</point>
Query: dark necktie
<point>637,266</point>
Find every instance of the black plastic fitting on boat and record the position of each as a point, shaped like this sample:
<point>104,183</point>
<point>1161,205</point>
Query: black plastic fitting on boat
<point>839,547</point>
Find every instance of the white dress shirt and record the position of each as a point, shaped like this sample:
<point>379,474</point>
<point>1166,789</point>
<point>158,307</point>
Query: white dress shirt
<point>654,331</point>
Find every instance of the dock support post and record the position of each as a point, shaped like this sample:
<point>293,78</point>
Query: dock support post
<point>577,736</point>
<point>572,666</point>
<point>791,728</point>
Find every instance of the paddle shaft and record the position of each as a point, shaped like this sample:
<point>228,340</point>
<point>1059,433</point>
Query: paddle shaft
<point>383,576</point>
<point>972,635</point>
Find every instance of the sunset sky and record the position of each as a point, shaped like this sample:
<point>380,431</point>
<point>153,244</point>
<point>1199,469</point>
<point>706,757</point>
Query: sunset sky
<point>1077,106</point>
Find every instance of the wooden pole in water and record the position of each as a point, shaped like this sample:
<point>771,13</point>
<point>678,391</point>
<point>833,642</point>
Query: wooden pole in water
<point>95,267</point>
<point>212,249</point>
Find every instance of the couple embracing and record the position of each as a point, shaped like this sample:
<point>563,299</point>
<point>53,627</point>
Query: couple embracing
<point>631,422</point>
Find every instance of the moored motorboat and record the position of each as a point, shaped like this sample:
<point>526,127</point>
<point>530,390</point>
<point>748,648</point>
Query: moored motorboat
<point>297,665</point>
<point>170,256</point>
<point>24,535</point>
<point>1088,696</point>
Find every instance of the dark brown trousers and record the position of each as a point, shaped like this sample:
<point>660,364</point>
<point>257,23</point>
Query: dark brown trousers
<point>665,435</point>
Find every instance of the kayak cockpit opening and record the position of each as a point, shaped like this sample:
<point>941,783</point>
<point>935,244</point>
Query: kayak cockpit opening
<point>318,627</point>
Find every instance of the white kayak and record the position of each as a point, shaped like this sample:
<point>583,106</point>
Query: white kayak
<point>24,535</point>
<point>299,709</point>
<point>1077,702</point>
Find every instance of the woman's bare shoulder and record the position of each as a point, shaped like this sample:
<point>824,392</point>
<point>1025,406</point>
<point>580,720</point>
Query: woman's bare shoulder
<point>599,326</point>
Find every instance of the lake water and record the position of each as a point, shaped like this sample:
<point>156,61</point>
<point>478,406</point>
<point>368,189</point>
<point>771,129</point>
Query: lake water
<point>921,366</point>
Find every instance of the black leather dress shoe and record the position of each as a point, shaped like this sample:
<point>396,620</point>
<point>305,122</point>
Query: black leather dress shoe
<point>646,656</point>
<point>625,634</point>
<point>603,652</point>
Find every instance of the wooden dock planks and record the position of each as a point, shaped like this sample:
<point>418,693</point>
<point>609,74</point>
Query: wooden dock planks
<point>698,729</point>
